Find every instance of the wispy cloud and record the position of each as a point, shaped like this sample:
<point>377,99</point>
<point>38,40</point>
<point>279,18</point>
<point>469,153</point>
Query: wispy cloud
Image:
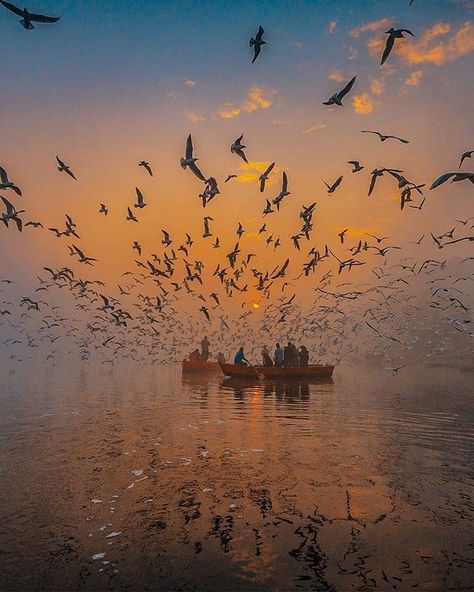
<point>332,27</point>
<point>372,26</point>
<point>337,76</point>
<point>413,80</point>
<point>362,104</point>
<point>190,83</point>
<point>258,98</point>
<point>194,117</point>
<point>314,128</point>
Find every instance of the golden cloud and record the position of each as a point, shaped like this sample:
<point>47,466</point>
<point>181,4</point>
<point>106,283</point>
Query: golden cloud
<point>414,80</point>
<point>373,26</point>
<point>252,171</point>
<point>258,98</point>
<point>362,104</point>
<point>337,76</point>
<point>376,87</point>
<point>194,117</point>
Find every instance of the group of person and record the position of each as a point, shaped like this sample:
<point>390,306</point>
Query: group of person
<point>204,354</point>
<point>289,356</point>
<point>284,357</point>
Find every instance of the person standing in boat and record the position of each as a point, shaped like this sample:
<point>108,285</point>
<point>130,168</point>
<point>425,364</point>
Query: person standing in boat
<point>205,349</point>
<point>278,356</point>
<point>240,358</point>
<point>221,358</point>
<point>303,357</point>
<point>267,361</point>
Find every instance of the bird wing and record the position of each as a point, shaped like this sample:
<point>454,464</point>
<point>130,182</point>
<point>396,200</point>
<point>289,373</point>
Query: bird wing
<point>196,171</point>
<point>269,169</point>
<point>260,32</point>
<point>70,173</point>
<point>372,184</point>
<point>189,147</point>
<point>388,48</point>
<point>4,175</point>
<point>338,182</point>
<point>12,7</point>
<point>139,196</point>
<point>41,18</point>
<point>442,179</point>
<point>284,183</point>
<point>242,155</point>
<point>347,88</point>
<point>257,49</point>
<point>8,205</point>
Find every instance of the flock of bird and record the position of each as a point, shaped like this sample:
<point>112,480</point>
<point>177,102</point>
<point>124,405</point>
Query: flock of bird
<point>407,301</point>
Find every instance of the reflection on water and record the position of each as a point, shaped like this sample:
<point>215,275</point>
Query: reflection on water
<point>143,479</point>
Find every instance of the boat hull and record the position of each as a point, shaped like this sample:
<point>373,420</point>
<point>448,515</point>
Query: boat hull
<point>274,373</point>
<point>200,366</point>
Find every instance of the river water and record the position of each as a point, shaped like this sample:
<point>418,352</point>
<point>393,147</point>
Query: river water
<point>141,479</point>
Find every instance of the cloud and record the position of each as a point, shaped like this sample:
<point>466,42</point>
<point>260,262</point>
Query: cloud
<point>258,98</point>
<point>433,47</point>
<point>298,45</point>
<point>332,27</point>
<point>194,117</point>
<point>373,26</point>
<point>190,83</point>
<point>413,80</point>
<point>337,76</point>
<point>229,111</point>
<point>377,86</point>
<point>314,128</point>
<point>362,104</point>
<point>252,171</point>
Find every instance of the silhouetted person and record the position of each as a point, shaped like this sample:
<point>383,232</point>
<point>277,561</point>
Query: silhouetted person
<point>278,356</point>
<point>303,357</point>
<point>240,357</point>
<point>267,361</point>
<point>205,349</point>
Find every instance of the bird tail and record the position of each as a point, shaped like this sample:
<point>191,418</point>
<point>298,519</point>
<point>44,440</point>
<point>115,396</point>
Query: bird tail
<point>28,25</point>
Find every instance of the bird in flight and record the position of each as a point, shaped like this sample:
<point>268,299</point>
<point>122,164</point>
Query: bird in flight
<point>65,168</point>
<point>5,182</point>
<point>190,161</point>
<point>392,35</point>
<point>383,137</point>
<point>11,214</point>
<point>356,165</point>
<point>146,165</point>
<point>332,188</point>
<point>238,148</point>
<point>257,42</point>
<point>140,200</point>
<point>336,98</point>
<point>229,177</point>
<point>103,209</point>
<point>28,18</point>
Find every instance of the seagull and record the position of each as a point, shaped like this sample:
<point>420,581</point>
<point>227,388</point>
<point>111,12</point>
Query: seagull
<point>136,245</point>
<point>464,155</point>
<point>82,257</point>
<point>257,42</point>
<point>356,165</point>
<point>207,232</point>
<point>332,188</point>
<point>238,148</point>
<point>342,234</point>
<point>392,35</point>
<point>166,239</point>
<point>336,98</point>
<point>103,209</point>
<point>27,17</point>
<point>34,224</point>
<point>190,161</point>
<point>283,193</point>
<point>268,208</point>
<point>5,182</point>
<point>140,202</point>
<point>11,214</point>
<point>383,138</point>
<point>456,177</point>
<point>64,167</point>
<point>130,215</point>
<point>146,165</point>
<point>379,239</point>
<point>264,176</point>
<point>229,177</point>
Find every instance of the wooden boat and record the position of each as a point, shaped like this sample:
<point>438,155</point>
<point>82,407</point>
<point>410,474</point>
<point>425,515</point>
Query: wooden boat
<point>199,366</point>
<point>273,373</point>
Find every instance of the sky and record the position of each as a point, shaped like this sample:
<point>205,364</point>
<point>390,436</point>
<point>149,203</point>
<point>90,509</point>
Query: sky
<point>113,83</point>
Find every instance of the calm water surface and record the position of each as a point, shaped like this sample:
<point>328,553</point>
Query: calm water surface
<point>141,479</point>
